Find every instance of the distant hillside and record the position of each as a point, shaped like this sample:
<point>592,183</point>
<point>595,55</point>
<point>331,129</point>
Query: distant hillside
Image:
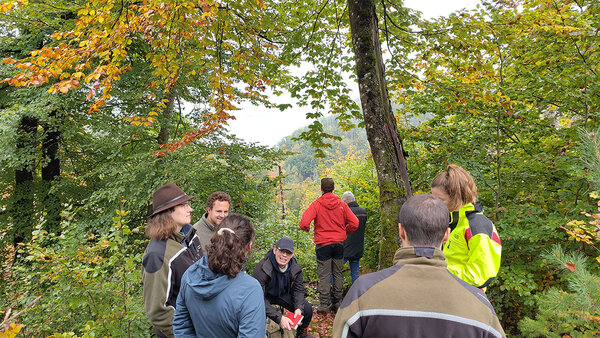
<point>303,164</point>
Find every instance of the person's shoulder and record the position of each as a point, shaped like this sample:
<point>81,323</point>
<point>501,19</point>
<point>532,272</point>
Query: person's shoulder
<point>200,222</point>
<point>154,256</point>
<point>262,265</point>
<point>367,281</point>
<point>479,295</point>
<point>480,224</point>
<point>248,281</point>
<point>295,266</point>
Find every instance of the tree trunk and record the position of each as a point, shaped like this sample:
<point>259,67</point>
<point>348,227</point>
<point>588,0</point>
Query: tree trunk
<point>50,172</point>
<point>380,124</point>
<point>165,127</point>
<point>22,207</point>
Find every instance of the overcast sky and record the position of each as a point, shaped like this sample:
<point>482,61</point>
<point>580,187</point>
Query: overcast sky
<point>269,126</point>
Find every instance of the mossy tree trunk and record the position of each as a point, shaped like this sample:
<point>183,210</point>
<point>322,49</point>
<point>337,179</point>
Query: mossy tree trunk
<point>22,206</point>
<point>167,115</point>
<point>51,173</point>
<point>380,124</point>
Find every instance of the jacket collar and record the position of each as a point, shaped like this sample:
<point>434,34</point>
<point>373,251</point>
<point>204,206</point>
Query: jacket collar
<point>413,255</point>
<point>206,223</point>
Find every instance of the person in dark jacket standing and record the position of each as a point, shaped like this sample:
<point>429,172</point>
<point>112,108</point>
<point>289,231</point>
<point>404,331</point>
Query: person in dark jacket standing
<point>280,276</point>
<point>333,220</point>
<point>173,247</point>
<point>354,246</point>
<point>417,296</point>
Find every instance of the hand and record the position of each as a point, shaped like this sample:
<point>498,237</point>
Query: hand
<point>297,313</point>
<point>285,323</point>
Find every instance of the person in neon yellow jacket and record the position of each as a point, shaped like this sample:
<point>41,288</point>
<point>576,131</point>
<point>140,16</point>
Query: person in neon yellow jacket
<point>473,250</point>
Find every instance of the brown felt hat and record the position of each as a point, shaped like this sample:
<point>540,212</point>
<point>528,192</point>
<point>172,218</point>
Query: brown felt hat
<point>168,196</point>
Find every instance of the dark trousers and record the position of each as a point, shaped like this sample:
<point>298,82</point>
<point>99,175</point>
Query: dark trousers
<point>330,260</point>
<point>286,301</point>
<point>159,334</point>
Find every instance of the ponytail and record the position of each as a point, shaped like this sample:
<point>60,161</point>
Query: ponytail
<point>458,184</point>
<point>229,246</point>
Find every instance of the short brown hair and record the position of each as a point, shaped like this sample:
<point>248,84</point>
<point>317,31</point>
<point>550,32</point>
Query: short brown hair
<point>161,225</point>
<point>217,196</point>
<point>425,219</point>
<point>458,184</point>
<point>327,184</point>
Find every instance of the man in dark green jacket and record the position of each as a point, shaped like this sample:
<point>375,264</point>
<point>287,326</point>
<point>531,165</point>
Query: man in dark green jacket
<point>217,208</point>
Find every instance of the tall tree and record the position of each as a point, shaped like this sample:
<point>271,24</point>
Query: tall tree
<point>380,123</point>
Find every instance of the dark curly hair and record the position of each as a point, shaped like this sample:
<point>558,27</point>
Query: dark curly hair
<point>230,245</point>
<point>217,196</point>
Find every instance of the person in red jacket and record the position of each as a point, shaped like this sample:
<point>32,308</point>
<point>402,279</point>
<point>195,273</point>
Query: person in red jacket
<point>333,219</point>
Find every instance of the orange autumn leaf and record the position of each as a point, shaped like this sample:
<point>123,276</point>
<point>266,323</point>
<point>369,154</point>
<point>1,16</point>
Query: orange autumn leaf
<point>570,266</point>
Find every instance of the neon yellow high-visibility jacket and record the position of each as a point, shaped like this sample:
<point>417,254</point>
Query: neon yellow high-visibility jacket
<point>473,249</point>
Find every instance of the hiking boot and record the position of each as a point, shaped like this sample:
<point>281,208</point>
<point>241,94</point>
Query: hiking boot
<point>334,307</point>
<point>303,333</point>
<point>321,309</point>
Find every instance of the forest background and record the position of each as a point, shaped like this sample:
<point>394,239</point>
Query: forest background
<point>92,122</point>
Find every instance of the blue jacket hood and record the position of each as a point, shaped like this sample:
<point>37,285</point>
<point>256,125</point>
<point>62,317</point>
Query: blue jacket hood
<point>205,283</point>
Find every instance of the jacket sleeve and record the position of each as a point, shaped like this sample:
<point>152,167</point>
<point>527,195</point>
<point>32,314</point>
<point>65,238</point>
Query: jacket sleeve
<point>182,322</point>
<point>263,280</point>
<point>155,298</point>
<point>341,328</point>
<point>308,216</point>
<point>252,315</point>
<point>351,219</point>
<point>484,261</point>
<point>298,291</point>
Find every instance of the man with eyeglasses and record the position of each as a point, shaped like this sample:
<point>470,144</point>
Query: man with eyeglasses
<point>281,278</point>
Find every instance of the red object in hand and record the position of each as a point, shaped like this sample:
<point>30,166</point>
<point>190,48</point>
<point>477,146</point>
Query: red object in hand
<point>295,319</point>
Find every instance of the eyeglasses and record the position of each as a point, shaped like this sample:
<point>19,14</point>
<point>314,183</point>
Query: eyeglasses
<point>284,252</point>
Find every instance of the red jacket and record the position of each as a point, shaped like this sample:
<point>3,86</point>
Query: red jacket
<point>333,219</point>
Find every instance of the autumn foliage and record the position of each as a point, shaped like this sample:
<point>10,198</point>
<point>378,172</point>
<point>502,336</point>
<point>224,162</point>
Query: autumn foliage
<point>220,44</point>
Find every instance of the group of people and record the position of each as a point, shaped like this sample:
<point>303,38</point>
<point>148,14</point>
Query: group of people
<point>195,285</point>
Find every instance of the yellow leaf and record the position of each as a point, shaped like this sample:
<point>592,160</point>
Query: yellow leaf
<point>12,330</point>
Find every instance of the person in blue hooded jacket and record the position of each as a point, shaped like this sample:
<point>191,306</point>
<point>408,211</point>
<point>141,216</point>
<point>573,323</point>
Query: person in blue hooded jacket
<point>216,298</point>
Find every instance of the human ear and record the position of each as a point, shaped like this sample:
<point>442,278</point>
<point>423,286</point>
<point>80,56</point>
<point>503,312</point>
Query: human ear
<point>446,235</point>
<point>401,232</point>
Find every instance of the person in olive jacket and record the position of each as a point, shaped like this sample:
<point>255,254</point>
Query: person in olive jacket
<point>173,247</point>
<point>281,278</point>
